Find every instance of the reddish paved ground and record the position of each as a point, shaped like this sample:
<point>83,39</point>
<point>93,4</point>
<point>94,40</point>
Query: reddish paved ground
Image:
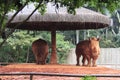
<point>57,69</point>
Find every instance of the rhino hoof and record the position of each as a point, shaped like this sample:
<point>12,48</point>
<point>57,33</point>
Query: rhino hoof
<point>77,64</point>
<point>88,65</point>
<point>94,65</point>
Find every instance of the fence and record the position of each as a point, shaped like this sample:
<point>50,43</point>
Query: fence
<point>31,74</point>
<point>109,57</point>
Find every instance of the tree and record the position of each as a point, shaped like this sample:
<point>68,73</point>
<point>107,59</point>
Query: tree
<point>18,5</point>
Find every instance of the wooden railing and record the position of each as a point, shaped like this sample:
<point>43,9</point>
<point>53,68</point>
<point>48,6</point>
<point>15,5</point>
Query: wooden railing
<point>31,74</point>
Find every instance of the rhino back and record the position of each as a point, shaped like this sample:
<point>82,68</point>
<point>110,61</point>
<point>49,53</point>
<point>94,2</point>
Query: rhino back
<point>40,46</point>
<point>82,46</point>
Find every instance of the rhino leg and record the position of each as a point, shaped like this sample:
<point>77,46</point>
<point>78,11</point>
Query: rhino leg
<point>89,61</point>
<point>78,56</point>
<point>45,57</point>
<point>37,60</point>
<point>83,61</point>
<point>94,61</point>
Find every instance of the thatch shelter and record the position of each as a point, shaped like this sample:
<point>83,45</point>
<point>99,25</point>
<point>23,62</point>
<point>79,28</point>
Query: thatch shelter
<point>59,19</point>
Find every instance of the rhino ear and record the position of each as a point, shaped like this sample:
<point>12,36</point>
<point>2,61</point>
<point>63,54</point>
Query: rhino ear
<point>98,39</point>
<point>89,38</point>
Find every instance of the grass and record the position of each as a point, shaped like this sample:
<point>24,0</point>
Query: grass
<point>89,78</point>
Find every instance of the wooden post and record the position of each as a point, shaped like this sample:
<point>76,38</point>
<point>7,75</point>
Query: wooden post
<point>54,53</point>
<point>31,77</point>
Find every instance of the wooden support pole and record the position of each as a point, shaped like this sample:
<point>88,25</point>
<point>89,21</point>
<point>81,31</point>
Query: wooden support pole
<point>31,77</point>
<point>54,53</point>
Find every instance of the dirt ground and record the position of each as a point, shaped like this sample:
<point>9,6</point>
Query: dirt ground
<point>56,69</point>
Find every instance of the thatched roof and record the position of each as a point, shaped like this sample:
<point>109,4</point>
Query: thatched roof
<point>84,19</point>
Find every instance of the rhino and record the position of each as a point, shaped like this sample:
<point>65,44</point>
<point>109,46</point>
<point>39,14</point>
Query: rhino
<point>90,51</point>
<point>40,51</point>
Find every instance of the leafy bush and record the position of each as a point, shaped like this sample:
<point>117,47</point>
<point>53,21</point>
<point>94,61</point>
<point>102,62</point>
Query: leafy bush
<point>89,78</point>
<point>16,47</point>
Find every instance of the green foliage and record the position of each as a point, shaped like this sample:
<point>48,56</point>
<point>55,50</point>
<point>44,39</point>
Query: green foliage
<point>70,37</point>
<point>62,48</point>
<point>18,47</point>
<point>107,43</point>
<point>116,40</point>
<point>89,78</point>
<point>42,8</point>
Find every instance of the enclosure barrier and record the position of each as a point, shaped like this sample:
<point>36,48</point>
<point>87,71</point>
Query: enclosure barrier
<point>58,74</point>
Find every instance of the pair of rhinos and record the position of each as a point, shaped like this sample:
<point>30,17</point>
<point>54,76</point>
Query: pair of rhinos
<point>89,49</point>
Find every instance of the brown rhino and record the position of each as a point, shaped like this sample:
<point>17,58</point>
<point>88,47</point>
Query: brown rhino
<point>89,49</point>
<point>40,51</point>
